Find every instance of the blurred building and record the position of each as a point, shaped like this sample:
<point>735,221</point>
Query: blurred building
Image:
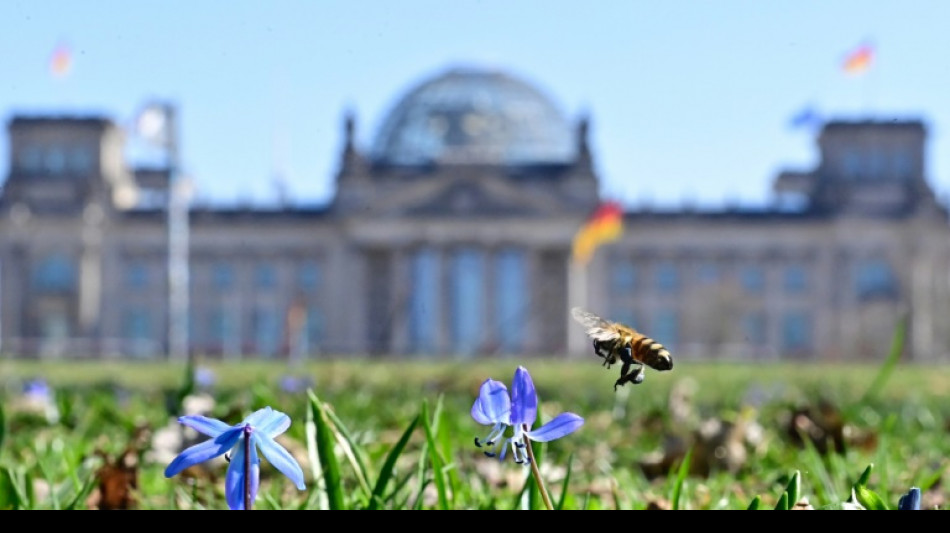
<point>451,234</point>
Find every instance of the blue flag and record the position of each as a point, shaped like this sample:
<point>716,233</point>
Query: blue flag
<point>807,118</point>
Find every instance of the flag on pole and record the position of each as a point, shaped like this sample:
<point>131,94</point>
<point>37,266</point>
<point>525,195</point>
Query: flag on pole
<point>152,124</point>
<point>859,60</point>
<point>61,62</point>
<point>807,118</point>
<point>605,225</point>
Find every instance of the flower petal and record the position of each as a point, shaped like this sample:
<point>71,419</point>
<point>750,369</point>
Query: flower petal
<point>910,501</point>
<point>234,480</point>
<point>280,458</point>
<point>204,425</point>
<point>274,424</point>
<point>524,399</point>
<point>493,405</point>
<point>563,424</point>
<point>257,417</point>
<point>200,453</point>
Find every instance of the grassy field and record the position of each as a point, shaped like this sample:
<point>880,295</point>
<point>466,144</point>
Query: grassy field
<point>704,436</point>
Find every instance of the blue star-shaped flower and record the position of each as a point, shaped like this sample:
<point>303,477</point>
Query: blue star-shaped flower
<point>494,407</point>
<point>261,427</point>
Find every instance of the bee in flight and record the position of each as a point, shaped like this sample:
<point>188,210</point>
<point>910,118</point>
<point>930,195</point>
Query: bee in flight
<point>614,341</point>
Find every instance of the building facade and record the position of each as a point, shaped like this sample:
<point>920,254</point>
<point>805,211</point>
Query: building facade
<point>451,236</point>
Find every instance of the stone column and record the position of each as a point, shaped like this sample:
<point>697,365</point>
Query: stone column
<point>401,282</point>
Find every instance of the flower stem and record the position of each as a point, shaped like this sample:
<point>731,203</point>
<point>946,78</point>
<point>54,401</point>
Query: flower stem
<point>247,468</point>
<point>536,472</point>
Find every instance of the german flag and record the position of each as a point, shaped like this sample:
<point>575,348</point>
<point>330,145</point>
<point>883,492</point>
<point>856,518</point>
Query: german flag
<point>605,225</point>
<point>61,62</point>
<point>858,61</point>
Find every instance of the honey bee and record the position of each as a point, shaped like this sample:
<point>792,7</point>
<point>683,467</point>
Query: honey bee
<point>614,341</point>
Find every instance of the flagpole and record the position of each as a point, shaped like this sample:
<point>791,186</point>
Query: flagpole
<point>177,246</point>
<point>577,297</point>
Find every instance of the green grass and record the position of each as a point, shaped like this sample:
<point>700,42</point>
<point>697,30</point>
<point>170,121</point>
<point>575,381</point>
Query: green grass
<point>397,434</point>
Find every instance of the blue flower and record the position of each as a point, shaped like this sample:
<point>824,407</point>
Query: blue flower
<point>294,384</point>
<point>910,501</point>
<point>494,407</point>
<point>261,427</point>
<point>37,389</point>
<point>205,377</point>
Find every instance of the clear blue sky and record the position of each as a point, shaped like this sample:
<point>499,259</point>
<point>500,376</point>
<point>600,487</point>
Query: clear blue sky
<point>690,100</point>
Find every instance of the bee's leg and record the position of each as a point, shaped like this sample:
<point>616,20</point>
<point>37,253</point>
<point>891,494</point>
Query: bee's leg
<point>635,377</point>
<point>623,374</point>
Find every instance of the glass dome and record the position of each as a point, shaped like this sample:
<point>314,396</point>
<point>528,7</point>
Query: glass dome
<point>474,116</point>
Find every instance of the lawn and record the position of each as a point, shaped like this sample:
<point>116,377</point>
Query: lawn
<point>703,436</point>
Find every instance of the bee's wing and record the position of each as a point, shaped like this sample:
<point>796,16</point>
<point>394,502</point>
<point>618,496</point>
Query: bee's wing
<point>597,328</point>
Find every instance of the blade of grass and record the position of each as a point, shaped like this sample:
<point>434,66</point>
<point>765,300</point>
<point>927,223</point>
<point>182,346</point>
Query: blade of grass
<point>930,481</point>
<point>794,488</point>
<point>350,448</point>
<point>869,499</point>
<point>564,486</point>
<point>420,500</point>
<point>445,440</point>
<point>438,474</point>
<point>816,466</point>
<point>680,479</point>
<point>401,484</point>
<point>887,368</point>
<point>782,504</point>
<point>863,480</point>
<point>48,475</point>
<point>82,493</point>
<point>754,505</point>
<point>319,493</point>
<point>386,471</point>
<point>325,441</point>
<point>3,428</point>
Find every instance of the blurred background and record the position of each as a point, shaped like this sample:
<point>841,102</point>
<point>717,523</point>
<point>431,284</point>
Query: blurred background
<point>308,180</point>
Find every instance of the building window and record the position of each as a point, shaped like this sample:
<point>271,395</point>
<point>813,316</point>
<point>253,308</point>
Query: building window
<point>223,327</point>
<point>753,327</point>
<point>875,279</point>
<point>877,166</point>
<point>308,276</point>
<point>667,277</point>
<point>316,328</point>
<point>796,331</point>
<point>903,166</point>
<point>136,275</point>
<point>511,299</point>
<point>80,159</point>
<point>424,309</point>
<point>137,324</point>
<point>468,291</point>
<point>795,279</point>
<point>265,276</point>
<point>31,158</point>
<point>752,278</point>
<point>852,165</point>
<point>55,160</point>
<point>708,273</point>
<point>222,276</point>
<point>623,276</point>
<point>266,331</point>
<point>665,328</point>
<point>55,273</point>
